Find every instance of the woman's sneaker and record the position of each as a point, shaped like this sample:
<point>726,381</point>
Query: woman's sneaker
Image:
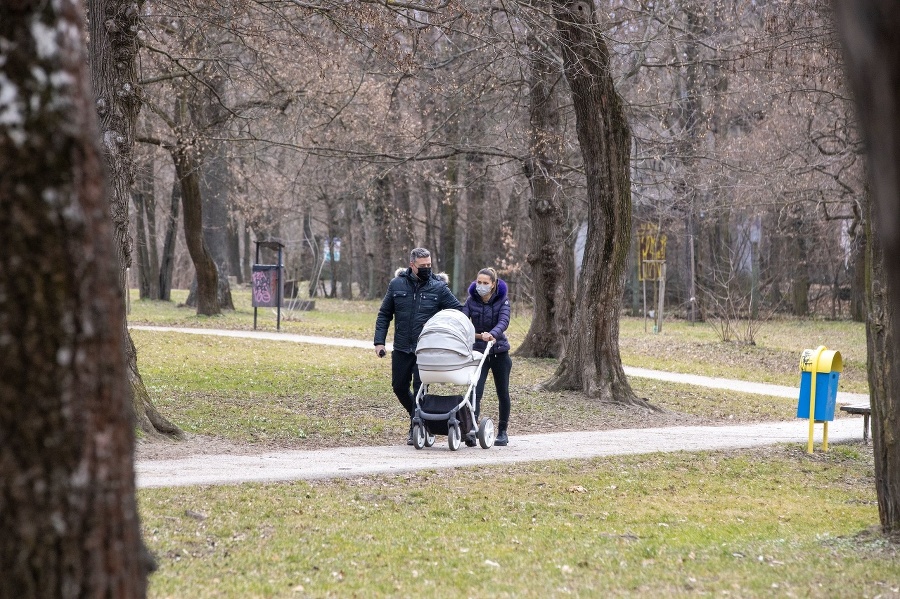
<point>502,440</point>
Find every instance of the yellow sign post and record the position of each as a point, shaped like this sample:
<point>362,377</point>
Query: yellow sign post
<point>652,267</point>
<point>819,373</point>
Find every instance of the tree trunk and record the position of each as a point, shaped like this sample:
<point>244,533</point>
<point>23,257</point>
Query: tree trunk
<point>167,263</point>
<point>884,386</point>
<point>112,51</point>
<point>235,226</point>
<point>148,256</point>
<point>858,275</point>
<point>592,363</point>
<point>67,493</point>
<point>205,267</point>
<point>870,31</point>
<point>551,281</point>
<point>214,193</point>
<point>144,274</point>
<point>384,261</point>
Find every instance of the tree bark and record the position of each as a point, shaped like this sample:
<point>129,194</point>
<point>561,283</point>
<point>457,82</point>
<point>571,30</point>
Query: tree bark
<point>592,363</point>
<point>67,493</point>
<point>167,262</point>
<point>551,279</point>
<point>187,172</point>
<point>148,256</point>
<point>870,31</point>
<point>112,51</point>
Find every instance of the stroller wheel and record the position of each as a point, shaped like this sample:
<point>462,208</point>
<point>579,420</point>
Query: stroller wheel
<point>453,437</point>
<point>486,433</point>
<point>418,434</point>
<point>429,437</point>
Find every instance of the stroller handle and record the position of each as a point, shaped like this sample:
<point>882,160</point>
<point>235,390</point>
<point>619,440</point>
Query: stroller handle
<point>484,355</point>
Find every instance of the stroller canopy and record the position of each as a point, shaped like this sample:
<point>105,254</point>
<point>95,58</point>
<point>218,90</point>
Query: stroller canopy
<point>446,341</point>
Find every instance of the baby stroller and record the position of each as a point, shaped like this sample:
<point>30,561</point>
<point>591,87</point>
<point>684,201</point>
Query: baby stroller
<point>444,356</point>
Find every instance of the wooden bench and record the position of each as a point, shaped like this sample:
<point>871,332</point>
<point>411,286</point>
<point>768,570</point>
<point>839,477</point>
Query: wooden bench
<point>866,411</point>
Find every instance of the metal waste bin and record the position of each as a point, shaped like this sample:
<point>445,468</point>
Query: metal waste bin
<point>820,370</point>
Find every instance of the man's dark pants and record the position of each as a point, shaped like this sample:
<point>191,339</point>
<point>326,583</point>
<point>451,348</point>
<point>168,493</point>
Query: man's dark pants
<point>404,370</point>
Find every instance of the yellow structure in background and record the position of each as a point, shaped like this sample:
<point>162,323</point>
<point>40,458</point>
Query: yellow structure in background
<point>652,247</point>
<point>820,365</point>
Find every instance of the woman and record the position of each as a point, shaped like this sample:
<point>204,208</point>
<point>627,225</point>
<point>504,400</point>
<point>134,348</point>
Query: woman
<point>488,307</point>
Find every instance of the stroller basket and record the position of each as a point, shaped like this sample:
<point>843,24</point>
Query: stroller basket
<point>436,410</point>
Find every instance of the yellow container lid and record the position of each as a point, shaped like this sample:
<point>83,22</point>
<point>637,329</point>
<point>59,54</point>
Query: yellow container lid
<point>829,360</point>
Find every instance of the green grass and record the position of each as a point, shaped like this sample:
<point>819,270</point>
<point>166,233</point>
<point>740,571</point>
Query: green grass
<point>331,318</point>
<point>768,522</point>
<point>680,347</point>
<point>305,396</point>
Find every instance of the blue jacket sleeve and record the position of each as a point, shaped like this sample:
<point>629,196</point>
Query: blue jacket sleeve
<point>448,300</point>
<point>385,315</point>
<point>502,320</point>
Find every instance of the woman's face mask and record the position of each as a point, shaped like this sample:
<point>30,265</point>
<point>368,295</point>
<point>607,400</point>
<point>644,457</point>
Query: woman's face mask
<point>483,290</point>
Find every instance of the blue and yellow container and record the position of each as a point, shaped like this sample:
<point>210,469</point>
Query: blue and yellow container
<point>819,374</point>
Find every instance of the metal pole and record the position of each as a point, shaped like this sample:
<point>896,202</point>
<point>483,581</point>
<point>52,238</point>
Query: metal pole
<point>645,298</point>
<point>280,290</point>
<point>255,309</point>
<point>662,297</point>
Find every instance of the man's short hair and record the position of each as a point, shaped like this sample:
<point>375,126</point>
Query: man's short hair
<point>419,253</point>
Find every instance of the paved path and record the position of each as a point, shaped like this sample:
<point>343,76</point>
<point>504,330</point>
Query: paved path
<point>357,461</point>
<point>659,375</point>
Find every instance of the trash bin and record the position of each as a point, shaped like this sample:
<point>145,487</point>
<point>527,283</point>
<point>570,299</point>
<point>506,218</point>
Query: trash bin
<point>825,365</point>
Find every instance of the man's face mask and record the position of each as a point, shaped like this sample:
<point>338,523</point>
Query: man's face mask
<point>424,272</point>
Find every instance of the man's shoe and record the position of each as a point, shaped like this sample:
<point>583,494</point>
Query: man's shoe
<point>409,439</point>
<point>470,441</point>
<point>502,440</point>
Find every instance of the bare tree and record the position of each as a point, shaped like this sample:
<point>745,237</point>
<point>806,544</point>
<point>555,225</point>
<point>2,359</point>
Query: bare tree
<point>870,31</point>
<point>67,492</point>
<point>549,256</point>
<point>112,51</point>
<point>592,362</point>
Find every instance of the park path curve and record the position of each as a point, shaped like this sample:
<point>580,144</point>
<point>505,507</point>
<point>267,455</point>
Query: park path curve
<point>358,461</point>
<point>341,462</point>
<point>646,373</point>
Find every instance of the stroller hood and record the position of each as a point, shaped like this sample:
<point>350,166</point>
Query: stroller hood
<point>446,341</point>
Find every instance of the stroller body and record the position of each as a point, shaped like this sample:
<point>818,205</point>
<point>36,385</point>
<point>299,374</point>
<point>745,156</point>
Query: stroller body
<point>444,356</point>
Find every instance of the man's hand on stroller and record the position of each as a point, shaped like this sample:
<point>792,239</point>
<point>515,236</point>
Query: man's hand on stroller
<point>379,351</point>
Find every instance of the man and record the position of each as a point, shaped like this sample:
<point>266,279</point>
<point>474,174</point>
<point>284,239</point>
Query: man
<point>414,296</point>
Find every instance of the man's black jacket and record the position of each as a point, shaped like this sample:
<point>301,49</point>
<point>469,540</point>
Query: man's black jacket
<point>413,302</point>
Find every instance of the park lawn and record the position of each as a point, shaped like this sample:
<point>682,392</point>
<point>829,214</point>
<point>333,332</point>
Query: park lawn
<point>332,317</point>
<point>306,396</point>
<point>695,349</point>
<point>765,522</point>
<point>680,347</point>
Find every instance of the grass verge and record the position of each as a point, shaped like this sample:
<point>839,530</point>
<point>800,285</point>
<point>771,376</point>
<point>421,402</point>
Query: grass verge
<point>680,347</point>
<point>766,522</point>
<point>305,396</point>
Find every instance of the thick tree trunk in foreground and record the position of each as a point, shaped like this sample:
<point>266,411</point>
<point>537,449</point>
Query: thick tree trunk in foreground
<point>592,363</point>
<point>871,35</point>
<point>67,498</point>
<point>112,52</point>
<point>551,277</point>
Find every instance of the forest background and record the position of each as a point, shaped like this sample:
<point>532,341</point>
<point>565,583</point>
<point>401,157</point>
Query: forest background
<point>352,133</point>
